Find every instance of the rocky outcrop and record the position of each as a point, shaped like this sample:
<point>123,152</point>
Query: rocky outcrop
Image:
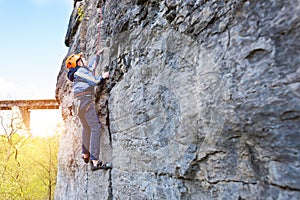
<point>203,100</point>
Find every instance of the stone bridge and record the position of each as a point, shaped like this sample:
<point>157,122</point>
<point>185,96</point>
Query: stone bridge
<point>25,106</point>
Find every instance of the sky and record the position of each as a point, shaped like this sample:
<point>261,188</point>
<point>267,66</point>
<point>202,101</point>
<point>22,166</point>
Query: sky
<point>32,49</point>
<point>32,46</point>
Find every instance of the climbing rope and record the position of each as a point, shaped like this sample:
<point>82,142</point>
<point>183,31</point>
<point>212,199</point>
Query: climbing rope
<point>86,181</point>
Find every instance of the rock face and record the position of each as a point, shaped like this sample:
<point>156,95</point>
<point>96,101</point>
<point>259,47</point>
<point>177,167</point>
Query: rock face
<point>203,100</point>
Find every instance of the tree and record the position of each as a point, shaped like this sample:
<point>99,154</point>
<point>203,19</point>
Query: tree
<point>47,162</point>
<point>28,165</point>
<point>12,143</point>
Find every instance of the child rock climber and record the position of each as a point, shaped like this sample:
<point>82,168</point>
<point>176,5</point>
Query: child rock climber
<point>84,81</point>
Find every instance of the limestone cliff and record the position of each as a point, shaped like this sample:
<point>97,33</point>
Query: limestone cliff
<point>203,100</point>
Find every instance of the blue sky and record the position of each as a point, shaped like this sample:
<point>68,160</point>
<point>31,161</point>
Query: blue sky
<point>32,46</point>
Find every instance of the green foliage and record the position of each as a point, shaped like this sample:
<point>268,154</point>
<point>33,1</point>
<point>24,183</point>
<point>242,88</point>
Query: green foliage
<point>28,166</point>
<point>80,13</point>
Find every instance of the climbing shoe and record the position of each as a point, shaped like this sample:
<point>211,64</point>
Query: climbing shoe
<point>97,166</point>
<point>100,165</point>
<point>106,166</point>
<point>86,160</point>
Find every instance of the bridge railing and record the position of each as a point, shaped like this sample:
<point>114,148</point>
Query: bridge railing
<point>29,104</point>
<point>25,106</point>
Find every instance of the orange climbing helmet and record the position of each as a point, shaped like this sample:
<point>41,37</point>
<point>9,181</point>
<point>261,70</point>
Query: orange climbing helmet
<point>71,61</point>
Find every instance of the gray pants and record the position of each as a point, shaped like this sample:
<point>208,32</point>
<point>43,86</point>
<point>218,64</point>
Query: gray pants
<point>91,126</point>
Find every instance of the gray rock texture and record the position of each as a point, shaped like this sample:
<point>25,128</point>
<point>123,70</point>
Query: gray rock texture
<point>203,101</point>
